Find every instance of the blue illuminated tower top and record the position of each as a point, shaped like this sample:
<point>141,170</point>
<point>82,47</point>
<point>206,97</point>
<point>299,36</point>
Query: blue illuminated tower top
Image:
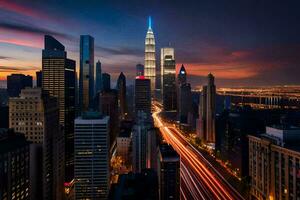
<point>149,23</point>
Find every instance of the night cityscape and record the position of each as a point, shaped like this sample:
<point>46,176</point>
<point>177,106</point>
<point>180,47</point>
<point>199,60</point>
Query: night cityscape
<point>149,100</point>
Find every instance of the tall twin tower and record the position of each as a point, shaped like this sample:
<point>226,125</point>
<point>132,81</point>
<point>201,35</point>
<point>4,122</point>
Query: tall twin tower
<point>150,62</point>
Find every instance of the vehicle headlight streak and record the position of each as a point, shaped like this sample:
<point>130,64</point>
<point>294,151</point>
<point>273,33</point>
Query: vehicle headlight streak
<point>194,166</point>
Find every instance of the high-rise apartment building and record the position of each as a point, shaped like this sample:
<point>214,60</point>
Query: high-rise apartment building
<point>14,166</point>
<point>168,173</point>
<point>184,102</point>
<point>121,87</point>
<point>168,70</point>
<point>150,61</point>
<point>98,86</point>
<point>17,82</point>
<point>274,164</point>
<point>87,72</point>
<point>59,75</point>
<point>109,106</point>
<point>92,156</point>
<point>139,141</point>
<point>27,114</point>
<point>207,112</point>
<point>142,95</point>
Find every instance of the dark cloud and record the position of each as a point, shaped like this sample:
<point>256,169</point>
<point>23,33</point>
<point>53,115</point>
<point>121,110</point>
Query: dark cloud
<point>28,28</point>
<point>12,68</point>
<point>4,57</point>
<point>120,51</point>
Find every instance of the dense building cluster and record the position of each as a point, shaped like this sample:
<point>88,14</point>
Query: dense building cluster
<point>76,136</point>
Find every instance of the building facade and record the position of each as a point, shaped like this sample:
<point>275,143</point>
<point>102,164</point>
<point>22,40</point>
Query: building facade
<point>274,164</point>
<point>106,82</point>
<point>142,95</point>
<point>207,112</point>
<point>168,173</point>
<point>98,86</point>
<point>139,70</point>
<point>27,114</point>
<point>121,87</point>
<point>168,73</point>
<point>87,72</point>
<point>14,166</point>
<point>59,80</point>
<point>92,156</point>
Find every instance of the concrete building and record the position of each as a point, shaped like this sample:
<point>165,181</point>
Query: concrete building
<point>108,104</point>
<point>27,114</point>
<point>91,142</point>
<point>122,104</point>
<point>142,95</point>
<point>207,112</point>
<point>168,173</point>
<point>14,166</point>
<point>139,70</point>
<point>17,82</point>
<point>39,78</point>
<point>139,141</point>
<point>106,82</point>
<point>274,164</point>
<point>124,141</point>
<point>150,61</point>
<point>98,86</point>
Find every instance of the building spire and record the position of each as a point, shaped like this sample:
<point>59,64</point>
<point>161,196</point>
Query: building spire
<point>149,23</point>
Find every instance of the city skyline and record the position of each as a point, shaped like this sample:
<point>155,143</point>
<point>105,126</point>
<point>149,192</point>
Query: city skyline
<point>258,48</point>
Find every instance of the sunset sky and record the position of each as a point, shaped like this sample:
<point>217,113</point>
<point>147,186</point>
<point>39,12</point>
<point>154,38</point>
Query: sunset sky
<point>242,42</point>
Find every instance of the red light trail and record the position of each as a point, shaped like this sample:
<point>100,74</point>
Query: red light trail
<point>199,179</point>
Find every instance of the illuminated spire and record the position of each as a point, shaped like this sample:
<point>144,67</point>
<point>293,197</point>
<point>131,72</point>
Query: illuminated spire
<point>149,23</point>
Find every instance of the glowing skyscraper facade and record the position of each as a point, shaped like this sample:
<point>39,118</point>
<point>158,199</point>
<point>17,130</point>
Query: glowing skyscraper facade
<point>87,72</point>
<point>150,65</point>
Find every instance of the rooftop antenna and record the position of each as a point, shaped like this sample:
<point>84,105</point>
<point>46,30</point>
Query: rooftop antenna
<point>149,22</point>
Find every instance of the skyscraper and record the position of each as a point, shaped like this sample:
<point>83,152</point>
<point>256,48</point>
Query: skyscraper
<point>184,95</point>
<point>150,62</point>
<point>59,80</point>
<point>92,156</point>
<point>139,141</point>
<point>109,106</point>
<point>17,82</point>
<point>106,81</point>
<point>184,102</point>
<point>181,78</point>
<point>163,53</point>
<point>142,95</point>
<point>98,77</point>
<point>86,75</point>
<point>139,70</point>
<point>169,94</point>
<point>121,87</point>
<point>207,112</point>
<point>35,114</point>
<point>39,78</point>
<point>168,173</point>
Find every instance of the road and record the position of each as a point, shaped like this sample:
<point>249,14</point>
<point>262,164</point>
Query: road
<point>199,179</point>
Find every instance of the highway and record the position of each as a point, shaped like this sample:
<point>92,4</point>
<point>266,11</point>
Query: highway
<point>199,179</point>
